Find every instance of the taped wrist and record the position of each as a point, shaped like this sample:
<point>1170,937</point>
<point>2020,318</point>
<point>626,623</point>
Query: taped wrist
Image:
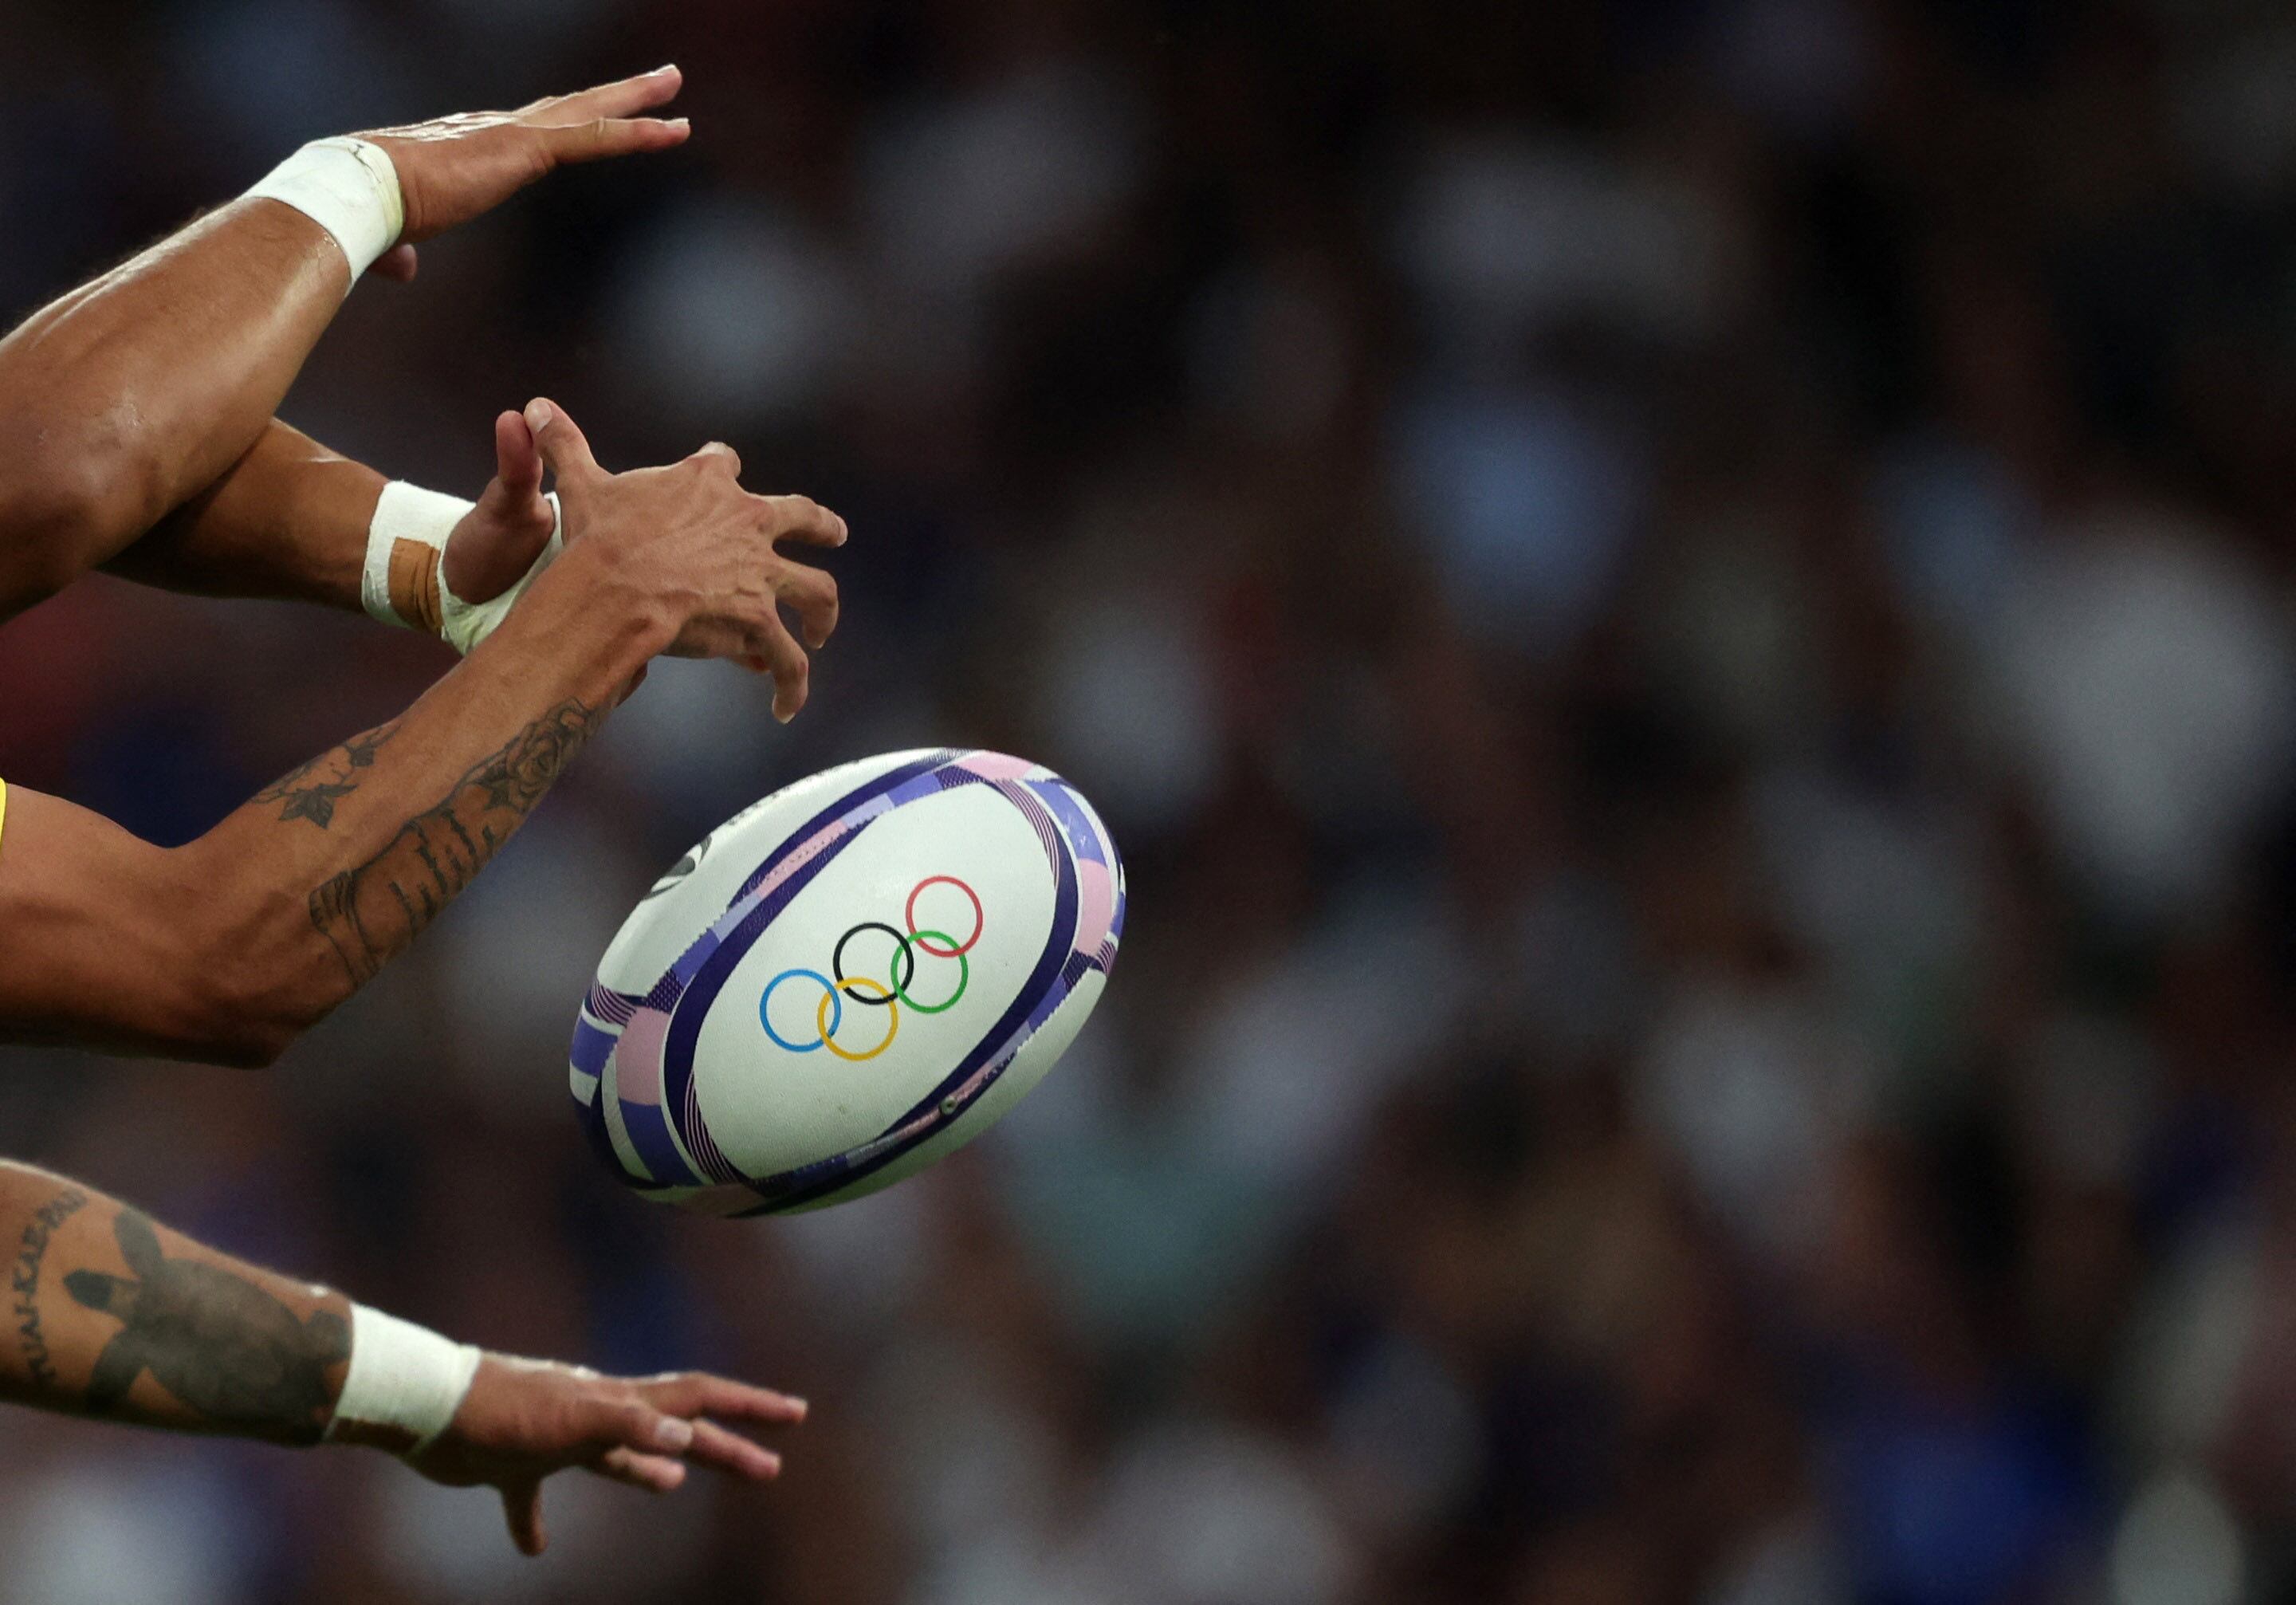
<point>404,1379</point>
<point>404,582</point>
<point>348,187</point>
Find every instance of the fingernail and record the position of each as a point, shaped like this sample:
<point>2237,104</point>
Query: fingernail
<point>783,718</point>
<point>801,1408</point>
<point>674,1435</point>
<point>680,123</point>
<point>538,415</point>
<point>665,67</point>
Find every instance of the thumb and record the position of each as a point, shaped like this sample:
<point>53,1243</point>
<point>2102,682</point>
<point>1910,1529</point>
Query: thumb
<point>522,1509</point>
<point>518,460</point>
<point>562,445</point>
<point>497,541</point>
<point>639,1426</point>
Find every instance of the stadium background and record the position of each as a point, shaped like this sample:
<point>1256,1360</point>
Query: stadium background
<point>1683,610</point>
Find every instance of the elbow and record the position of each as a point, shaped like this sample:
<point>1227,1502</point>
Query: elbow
<point>265,1000</point>
<point>70,499</point>
<point>243,1018</point>
<point>249,1015</point>
<point>262,979</point>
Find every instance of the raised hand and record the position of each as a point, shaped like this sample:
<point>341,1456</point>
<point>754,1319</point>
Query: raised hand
<point>524,1419</point>
<point>687,542</point>
<point>454,169</point>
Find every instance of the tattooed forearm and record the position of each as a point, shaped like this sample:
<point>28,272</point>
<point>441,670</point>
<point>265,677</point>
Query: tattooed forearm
<point>311,790</point>
<point>369,913</point>
<point>221,1344</point>
<point>24,1282</point>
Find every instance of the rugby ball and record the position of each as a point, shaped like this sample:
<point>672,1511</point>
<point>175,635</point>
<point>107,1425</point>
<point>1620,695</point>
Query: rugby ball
<point>847,981</point>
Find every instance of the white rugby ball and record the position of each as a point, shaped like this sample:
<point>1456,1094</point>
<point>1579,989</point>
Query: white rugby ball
<point>847,981</point>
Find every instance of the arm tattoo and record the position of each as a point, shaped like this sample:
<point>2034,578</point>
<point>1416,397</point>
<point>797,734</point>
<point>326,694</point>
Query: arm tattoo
<point>221,1344</point>
<point>24,1282</point>
<point>373,911</point>
<point>311,789</point>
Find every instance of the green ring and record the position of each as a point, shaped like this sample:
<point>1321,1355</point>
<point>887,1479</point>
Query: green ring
<point>964,975</point>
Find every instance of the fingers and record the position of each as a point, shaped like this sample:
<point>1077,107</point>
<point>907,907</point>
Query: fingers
<point>655,1473</point>
<point>813,596</point>
<point>562,445</point>
<point>692,1393</point>
<point>803,518</point>
<point>731,1452</point>
<point>603,137</point>
<point>522,1509</point>
<point>636,1424</point>
<point>785,661</point>
<point>645,1437</point>
<point>623,97</point>
<point>518,459</point>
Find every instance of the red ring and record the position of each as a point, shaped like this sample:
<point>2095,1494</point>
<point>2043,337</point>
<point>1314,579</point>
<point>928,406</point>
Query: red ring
<point>909,914</point>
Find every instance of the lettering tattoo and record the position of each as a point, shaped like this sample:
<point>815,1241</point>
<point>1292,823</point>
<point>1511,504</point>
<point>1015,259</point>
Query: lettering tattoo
<point>311,790</point>
<point>220,1343</point>
<point>369,913</point>
<point>24,1282</point>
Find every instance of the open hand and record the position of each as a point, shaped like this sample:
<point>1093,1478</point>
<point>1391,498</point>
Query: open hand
<point>686,542</point>
<point>456,168</point>
<point>524,1419</point>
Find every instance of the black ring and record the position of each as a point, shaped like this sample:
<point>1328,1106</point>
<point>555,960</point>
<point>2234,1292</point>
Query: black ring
<point>900,983</point>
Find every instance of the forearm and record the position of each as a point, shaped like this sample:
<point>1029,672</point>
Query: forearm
<point>129,396</point>
<point>293,519</point>
<point>288,519</point>
<point>114,1316</point>
<point>335,868</point>
<point>228,947</point>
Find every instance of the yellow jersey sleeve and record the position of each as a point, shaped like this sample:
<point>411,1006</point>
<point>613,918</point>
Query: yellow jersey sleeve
<point>3,808</point>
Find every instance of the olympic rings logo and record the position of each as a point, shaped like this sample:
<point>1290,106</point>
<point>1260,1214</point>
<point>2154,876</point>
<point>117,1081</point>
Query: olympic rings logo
<point>890,994</point>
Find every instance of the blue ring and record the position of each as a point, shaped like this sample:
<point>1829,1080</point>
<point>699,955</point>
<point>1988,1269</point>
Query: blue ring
<point>835,1021</point>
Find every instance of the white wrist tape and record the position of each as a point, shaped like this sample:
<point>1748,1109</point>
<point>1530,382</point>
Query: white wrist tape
<point>403,1376</point>
<point>404,583</point>
<point>348,187</point>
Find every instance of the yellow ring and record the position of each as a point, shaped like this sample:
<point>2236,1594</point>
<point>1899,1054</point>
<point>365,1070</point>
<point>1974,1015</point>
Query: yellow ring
<point>892,1019</point>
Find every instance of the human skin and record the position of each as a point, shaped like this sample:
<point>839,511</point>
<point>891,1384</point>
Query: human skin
<point>116,1317</point>
<point>127,397</point>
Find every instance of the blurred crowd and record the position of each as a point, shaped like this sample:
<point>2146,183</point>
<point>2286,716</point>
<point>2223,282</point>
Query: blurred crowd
<point>1683,610</point>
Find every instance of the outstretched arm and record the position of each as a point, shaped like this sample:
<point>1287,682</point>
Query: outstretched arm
<point>288,519</point>
<point>229,948</point>
<point>116,1316</point>
<point>292,520</point>
<point>125,397</point>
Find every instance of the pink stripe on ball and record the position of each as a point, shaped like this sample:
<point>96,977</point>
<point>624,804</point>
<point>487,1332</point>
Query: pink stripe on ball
<point>637,1057</point>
